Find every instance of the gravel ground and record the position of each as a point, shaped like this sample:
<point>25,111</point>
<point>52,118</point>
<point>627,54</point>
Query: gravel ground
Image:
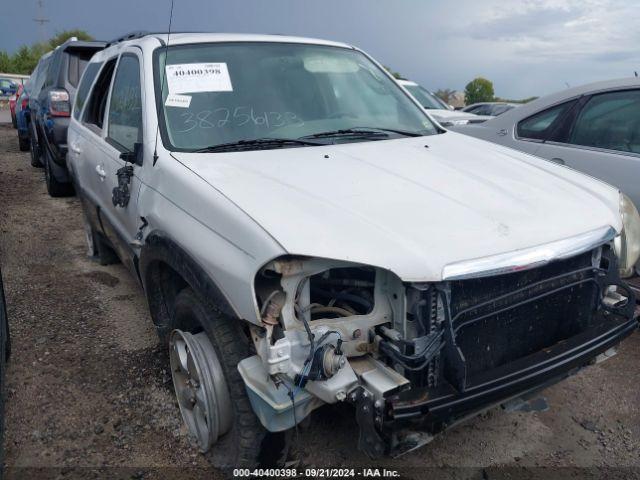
<point>90,396</point>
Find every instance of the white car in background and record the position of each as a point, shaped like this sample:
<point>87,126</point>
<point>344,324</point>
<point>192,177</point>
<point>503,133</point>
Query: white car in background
<point>438,109</point>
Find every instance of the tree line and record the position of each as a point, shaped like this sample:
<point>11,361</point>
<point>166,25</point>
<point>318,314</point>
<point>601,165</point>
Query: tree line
<point>25,59</point>
<point>478,90</point>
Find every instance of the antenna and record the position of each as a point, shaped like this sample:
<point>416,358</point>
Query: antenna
<point>41,20</point>
<point>164,76</point>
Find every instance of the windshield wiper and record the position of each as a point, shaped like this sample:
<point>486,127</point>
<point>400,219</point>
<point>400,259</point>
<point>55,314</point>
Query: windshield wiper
<point>257,144</point>
<point>362,132</point>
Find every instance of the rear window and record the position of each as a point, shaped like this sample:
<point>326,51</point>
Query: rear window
<point>85,84</point>
<point>78,61</point>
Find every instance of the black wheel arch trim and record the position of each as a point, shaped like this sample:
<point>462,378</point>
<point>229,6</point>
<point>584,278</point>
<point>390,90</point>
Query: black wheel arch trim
<point>159,248</point>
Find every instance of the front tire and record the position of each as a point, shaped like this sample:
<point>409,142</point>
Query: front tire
<point>242,441</point>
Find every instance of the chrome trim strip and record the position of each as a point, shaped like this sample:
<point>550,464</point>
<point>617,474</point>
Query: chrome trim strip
<point>528,258</point>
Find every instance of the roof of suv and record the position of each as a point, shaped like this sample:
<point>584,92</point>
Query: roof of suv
<point>82,44</point>
<point>182,38</point>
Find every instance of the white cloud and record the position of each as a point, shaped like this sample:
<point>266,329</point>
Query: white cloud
<point>562,29</point>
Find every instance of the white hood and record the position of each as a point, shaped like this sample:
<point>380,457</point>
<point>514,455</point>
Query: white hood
<point>406,207</point>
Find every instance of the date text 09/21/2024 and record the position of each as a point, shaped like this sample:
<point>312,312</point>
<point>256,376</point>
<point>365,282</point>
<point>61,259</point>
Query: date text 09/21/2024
<point>316,473</point>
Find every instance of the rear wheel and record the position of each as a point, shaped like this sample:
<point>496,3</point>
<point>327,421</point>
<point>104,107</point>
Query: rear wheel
<point>34,148</point>
<point>54,187</point>
<point>23,143</point>
<point>210,391</point>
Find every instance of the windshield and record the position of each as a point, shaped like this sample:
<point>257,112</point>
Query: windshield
<point>426,98</point>
<point>220,93</point>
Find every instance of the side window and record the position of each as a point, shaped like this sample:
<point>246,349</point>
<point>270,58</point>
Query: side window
<point>542,124</point>
<point>610,121</point>
<point>125,109</point>
<point>83,90</point>
<point>97,103</point>
<point>53,69</point>
<point>40,77</point>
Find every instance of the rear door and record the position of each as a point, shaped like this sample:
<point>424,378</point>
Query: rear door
<point>123,130</point>
<point>603,140</point>
<point>86,150</point>
<point>79,135</point>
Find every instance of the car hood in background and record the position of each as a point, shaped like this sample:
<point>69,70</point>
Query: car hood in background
<point>411,206</point>
<point>448,117</point>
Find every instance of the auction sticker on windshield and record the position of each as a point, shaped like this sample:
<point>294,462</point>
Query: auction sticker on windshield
<point>177,100</point>
<point>198,77</point>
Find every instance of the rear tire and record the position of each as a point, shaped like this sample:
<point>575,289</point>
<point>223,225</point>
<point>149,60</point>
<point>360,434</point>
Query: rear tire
<point>23,144</point>
<point>247,443</point>
<point>54,187</point>
<point>34,148</point>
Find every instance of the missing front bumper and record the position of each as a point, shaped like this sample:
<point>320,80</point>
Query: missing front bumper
<point>412,417</point>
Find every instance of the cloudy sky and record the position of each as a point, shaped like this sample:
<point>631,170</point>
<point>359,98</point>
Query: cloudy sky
<point>528,47</point>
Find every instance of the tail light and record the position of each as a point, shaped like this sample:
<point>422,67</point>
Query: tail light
<point>25,103</point>
<point>59,105</point>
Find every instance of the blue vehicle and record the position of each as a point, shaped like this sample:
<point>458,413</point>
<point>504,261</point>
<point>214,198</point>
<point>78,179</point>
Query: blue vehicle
<point>22,113</point>
<point>50,107</point>
<point>7,87</point>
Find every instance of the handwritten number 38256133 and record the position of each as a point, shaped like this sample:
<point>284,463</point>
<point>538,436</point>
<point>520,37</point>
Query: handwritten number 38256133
<point>237,117</point>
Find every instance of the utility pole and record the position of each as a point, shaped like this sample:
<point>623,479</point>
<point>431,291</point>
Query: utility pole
<point>41,20</point>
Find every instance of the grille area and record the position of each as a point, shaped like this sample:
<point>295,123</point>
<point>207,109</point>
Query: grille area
<point>499,319</point>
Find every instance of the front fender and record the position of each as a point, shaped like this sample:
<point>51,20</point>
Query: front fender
<point>160,251</point>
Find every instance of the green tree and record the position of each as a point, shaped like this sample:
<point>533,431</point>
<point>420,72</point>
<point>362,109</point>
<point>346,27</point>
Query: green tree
<point>61,37</point>
<point>25,59</point>
<point>396,75</point>
<point>6,65</point>
<point>479,90</point>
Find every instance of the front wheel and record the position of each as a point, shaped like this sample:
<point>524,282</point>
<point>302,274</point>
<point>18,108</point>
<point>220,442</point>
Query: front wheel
<point>210,391</point>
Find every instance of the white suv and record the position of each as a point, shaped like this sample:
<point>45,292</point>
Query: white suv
<point>306,235</point>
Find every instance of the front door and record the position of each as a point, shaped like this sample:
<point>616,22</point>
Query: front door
<point>121,179</point>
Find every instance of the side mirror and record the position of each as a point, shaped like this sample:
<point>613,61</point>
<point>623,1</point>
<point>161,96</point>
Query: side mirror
<point>134,157</point>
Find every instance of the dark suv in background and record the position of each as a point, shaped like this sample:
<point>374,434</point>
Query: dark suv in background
<point>51,108</point>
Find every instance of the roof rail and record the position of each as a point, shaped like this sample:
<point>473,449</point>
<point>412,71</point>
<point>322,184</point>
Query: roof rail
<point>128,36</point>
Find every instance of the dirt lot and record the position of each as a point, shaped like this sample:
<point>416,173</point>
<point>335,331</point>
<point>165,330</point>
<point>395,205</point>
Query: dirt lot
<point>89,389</point>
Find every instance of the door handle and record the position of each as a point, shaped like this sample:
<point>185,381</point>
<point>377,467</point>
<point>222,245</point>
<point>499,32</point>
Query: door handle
<point>100,171</point>
<point>559,161</point>
<point>75,149</point>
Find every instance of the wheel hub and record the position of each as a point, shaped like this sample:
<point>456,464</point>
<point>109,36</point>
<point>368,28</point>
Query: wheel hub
<point>200,386</point>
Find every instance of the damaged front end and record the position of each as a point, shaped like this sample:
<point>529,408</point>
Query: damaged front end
<point>416,357</point>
